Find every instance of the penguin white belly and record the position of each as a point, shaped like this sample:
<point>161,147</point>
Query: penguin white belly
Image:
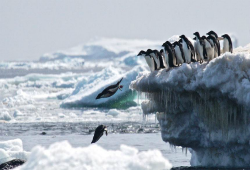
<point>187,52</point>
<point>157,60</point>
<point>225,45</point>
<point>150,62</point>
<point>165,57</point>
<point>178,55</point>
<point>199,51</point>
<point>210,50</point>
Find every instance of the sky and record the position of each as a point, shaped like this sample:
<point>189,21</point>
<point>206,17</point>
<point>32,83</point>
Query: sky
<point>30,28</point>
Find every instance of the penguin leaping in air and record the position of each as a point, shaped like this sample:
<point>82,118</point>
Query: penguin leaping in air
<point>227,44</point>
<point>110,90</point>
<point>188,49</point>
<point>99,132</point>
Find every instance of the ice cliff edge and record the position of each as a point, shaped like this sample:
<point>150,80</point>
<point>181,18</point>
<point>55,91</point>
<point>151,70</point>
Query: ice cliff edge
<point>204,107</point>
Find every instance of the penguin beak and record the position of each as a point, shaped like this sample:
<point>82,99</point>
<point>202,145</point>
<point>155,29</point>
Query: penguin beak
<point>220,38</point>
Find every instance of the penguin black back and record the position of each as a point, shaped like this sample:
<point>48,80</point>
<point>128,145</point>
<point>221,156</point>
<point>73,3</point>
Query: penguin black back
<point>99,132</point>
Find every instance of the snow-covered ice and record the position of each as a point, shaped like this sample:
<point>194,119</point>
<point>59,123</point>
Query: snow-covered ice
<point>204,107</point>
<point>63,156</point>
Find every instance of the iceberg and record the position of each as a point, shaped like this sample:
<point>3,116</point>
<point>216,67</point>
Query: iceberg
<point>204,107</point>
<point>86,90</point>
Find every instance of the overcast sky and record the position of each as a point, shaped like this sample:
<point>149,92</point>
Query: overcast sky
<point>30,28</point>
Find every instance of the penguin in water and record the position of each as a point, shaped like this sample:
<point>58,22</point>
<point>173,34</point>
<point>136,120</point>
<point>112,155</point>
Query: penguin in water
<point>188,49</point>
<point>110,90</point>
<point>200,48</point>
<point>215,43</point>
<point>179,53</point>
<point>169,54</point>
<point>227,44</point>
<point>209,48</point>
<point>212,33</point>
<point>161,59</point>
<point>149,60</point>
<point>99,132</point>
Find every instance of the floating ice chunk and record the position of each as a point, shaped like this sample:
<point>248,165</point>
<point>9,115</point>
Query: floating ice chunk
<point>63,156</point>
<point>17,113</point>
<point>85,92</point>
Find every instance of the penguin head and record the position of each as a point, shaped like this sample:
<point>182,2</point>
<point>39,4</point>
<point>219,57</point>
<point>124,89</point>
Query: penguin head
<point>168,43</point>
<point>225,36</point>
<point>141,53</point>
<point>204,37</point>
<point>182,36</point>
<point>212,33</point>
<point>161,51</point>
<point>180,41</point>
<point>197,34</point>
<point>149,51</point>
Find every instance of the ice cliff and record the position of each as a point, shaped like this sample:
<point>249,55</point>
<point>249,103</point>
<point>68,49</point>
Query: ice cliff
<point>204,107</point>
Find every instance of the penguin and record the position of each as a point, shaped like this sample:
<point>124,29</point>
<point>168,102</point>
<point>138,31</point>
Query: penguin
<point>188,49</point>
<point>200,48</point>
<point>110,90</point>
<point>165,58</point>
<point>161,59</point>
<point>212,33</point>
<point>169,54</point>
<point>227,44</point>
<point>179,53</point>
<point>149,53</point>
<point>148,58</point>
<point>99,132</point>
<point>155,57</point>
<point>215,43</point>
<point>209,48</point>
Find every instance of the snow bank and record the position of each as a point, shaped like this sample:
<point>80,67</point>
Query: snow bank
<point>12,149</point>
<point>4,115</point>
<point>86,91</point>
<point>63,156</point>
<point>204,107</point>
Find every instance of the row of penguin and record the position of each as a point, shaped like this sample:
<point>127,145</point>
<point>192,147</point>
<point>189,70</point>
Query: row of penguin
<point>203,48</point>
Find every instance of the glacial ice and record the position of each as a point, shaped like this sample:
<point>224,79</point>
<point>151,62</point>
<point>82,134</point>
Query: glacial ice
<point>204,107</point>
<point>86,91</point>
<point>63,156</point>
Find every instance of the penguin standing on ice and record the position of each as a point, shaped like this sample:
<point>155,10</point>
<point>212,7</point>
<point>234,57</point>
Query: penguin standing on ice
<point>200,48</point>
<point>209,48</point>
<point>227,44</point>
<point>188,49</point>
<point>150,53</point>
<point>215,44</point>
<point>110,90</point>
<point>99,132</point>
<point>155,57</point>
<point>169,54</point>
<point>149,60</point>
<point>212,33</point>
<point>161,59</point>
<point>179,53</point>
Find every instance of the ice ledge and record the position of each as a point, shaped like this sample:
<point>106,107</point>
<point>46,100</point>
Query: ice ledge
<point>204,107</point>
